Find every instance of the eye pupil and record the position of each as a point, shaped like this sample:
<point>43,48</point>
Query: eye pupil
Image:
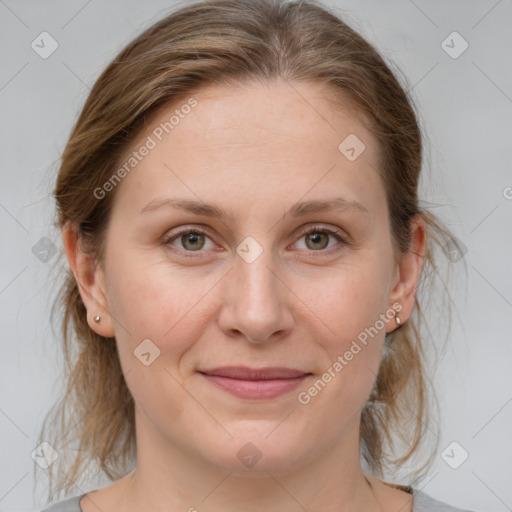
<point>314,237</point>
<point>193,238</point>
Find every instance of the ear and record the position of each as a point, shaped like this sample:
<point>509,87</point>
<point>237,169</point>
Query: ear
<point>91,281</point>
<point>408,271</point>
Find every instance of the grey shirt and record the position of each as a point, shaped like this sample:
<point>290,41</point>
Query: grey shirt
<point>421,503</point>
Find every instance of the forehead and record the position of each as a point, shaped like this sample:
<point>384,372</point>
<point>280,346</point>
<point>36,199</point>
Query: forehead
<point>239,113</point>
<point>257,139</point>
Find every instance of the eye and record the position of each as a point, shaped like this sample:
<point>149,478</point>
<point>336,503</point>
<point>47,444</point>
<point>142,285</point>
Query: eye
<point>317,238</point>
<point>190,240</point>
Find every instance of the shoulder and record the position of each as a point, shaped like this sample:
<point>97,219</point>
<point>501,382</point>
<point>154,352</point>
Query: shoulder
<point>424,503</point>
<point>421,503</point>
<point>67,505</point>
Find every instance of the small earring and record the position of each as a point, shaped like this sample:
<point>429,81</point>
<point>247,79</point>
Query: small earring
<point>397,319</point>
<point>97,318</point>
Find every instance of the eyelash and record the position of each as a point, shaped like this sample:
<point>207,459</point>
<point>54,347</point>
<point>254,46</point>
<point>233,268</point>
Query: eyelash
<point>315,229</point>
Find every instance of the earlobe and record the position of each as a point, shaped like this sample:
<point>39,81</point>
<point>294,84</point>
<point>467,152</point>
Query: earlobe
<point>90,279</point>
<point>409,271</point>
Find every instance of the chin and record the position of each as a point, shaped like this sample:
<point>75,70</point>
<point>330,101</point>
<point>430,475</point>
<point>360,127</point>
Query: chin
<point>260,450</point>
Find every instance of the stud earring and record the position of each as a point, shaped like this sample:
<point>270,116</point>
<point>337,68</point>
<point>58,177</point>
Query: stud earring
<point>397,319</point>
<point>97,318</point>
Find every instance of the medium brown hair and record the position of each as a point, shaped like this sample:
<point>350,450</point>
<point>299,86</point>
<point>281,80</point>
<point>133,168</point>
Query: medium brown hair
<point>231,42</point>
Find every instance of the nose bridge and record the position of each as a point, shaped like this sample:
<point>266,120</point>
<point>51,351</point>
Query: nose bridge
<point>258,278</point>
<point>256,303</point>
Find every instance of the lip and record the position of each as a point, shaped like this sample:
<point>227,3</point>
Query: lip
<point>255,383</point>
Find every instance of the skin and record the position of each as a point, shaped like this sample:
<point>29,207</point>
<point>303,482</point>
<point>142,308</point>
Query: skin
<point>253,150</point>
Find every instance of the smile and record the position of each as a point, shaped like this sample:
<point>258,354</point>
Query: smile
<point>255,384</point>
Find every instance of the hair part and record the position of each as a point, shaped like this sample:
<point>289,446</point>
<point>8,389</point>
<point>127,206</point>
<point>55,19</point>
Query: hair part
<point>230,42</point>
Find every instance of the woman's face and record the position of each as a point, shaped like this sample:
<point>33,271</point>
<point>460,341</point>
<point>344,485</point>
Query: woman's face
<point>251,288</point>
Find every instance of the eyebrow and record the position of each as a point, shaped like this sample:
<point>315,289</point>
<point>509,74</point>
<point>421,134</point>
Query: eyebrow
<point>297,210</point>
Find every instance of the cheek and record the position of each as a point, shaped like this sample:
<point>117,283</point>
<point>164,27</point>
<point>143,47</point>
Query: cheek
<point>348,301</point>
<point>156,303</point>
<point>350,305</point>
<point>148,298</point>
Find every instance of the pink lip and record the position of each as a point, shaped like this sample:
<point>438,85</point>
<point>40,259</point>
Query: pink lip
<point>258,384</point>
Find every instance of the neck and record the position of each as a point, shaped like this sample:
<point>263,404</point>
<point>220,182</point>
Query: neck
<point>172,477</point>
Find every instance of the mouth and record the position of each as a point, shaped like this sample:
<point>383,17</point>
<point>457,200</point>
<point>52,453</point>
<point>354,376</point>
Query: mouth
<point>255,383</point>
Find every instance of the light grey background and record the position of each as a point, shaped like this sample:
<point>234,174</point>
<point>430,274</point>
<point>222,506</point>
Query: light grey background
<point>466,107</point>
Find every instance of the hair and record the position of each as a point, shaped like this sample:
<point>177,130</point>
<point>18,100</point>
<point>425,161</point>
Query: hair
<point>233,42</point>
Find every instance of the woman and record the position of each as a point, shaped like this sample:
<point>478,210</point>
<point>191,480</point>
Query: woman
<point>220,355</point>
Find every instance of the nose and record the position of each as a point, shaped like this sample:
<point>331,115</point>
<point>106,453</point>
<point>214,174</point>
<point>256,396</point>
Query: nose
<point>257,303</point>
